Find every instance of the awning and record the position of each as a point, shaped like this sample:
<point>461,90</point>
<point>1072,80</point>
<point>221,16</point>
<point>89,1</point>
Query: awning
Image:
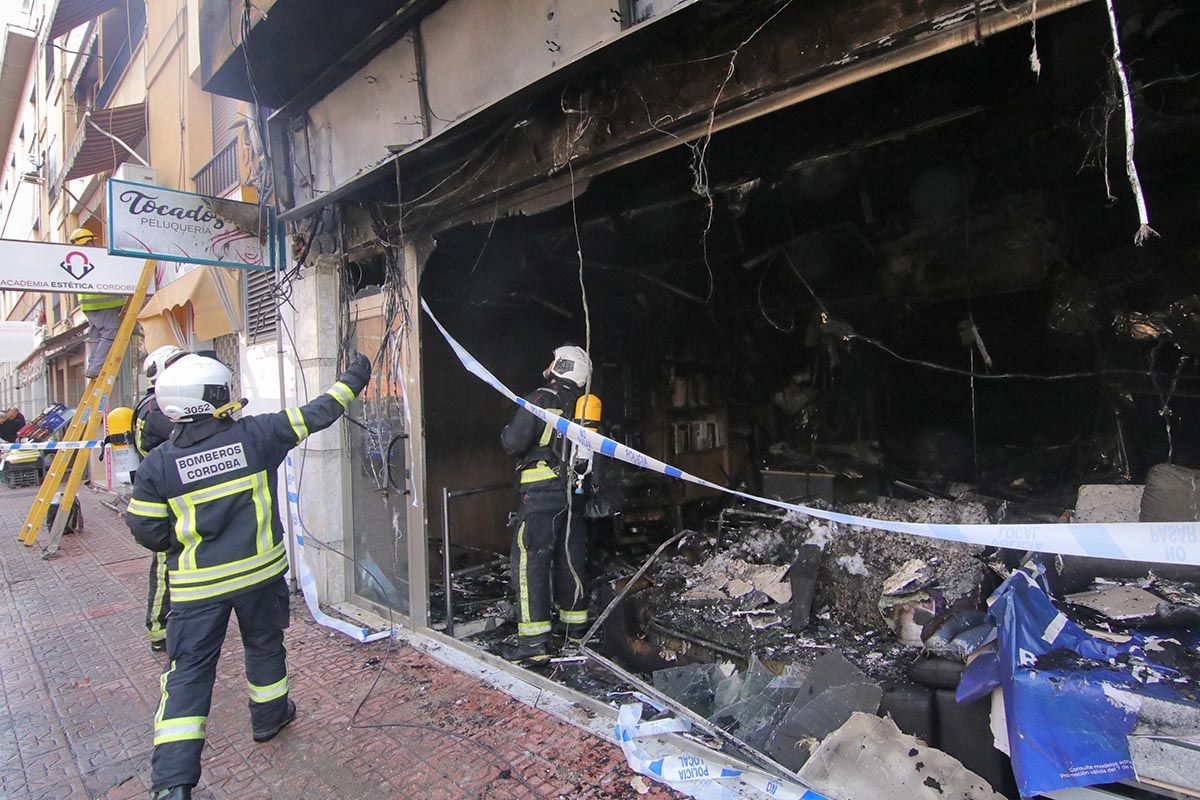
<point>103,140</point>
<point>16,54</point>
<point>73,13</point>
<point>68,340</point>
<point>206,295</point>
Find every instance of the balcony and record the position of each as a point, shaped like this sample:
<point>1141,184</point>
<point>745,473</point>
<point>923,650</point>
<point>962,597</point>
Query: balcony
<point>292,43</point>
<point>222,173</point>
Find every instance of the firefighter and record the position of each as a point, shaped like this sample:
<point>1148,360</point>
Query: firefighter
<point>150,429</point>
<point>103,312</point>
<point>548,556</point>
<point>207,499</point>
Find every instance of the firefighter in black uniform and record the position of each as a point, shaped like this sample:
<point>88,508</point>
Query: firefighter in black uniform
<point>150,429</point>
<point>546,551</point>
<point>207,499</point>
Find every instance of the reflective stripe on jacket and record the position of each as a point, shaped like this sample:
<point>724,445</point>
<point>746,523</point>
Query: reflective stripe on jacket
<point>99,302</point>
<point>208,499</point>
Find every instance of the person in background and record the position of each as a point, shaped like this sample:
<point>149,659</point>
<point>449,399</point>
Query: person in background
<point>103,312</point>
<point>150,429</point>
<point>11,421</point>
<point>548,555</point>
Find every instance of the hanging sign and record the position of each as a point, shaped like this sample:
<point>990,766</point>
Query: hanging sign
<point>49,267</point>
<point>153,222</point>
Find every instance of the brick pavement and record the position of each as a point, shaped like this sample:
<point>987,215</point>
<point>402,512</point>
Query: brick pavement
<point>80,687</point>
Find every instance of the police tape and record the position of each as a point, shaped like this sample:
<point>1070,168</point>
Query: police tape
<point>692,775</point>
<point>308,583</point>
<point>86,444</point>
<point>1157,542</point>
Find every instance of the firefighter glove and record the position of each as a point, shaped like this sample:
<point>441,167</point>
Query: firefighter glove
<point>358,374</point>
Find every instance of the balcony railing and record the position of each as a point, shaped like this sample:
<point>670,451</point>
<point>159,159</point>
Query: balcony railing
<point>221,174</point>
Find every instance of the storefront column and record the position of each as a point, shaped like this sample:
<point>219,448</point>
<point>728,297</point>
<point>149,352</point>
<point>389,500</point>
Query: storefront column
<point>319,463</point>
<point>418,539</point>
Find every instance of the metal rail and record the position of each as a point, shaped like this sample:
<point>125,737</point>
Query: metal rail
<point>449,494</point>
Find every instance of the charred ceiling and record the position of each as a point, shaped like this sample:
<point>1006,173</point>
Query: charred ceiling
<point>909,266</point>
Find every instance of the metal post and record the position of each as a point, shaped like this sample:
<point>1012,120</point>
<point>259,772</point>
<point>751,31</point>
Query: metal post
<point>446,577</point>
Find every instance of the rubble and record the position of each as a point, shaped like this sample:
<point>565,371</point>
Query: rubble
<point>858,562</point>
<point>1118,602</point>
<point>868,758</point>
<point>726,576</point>
<point>832,690</point>
<point>955,636</point>
<point>1108,503</point>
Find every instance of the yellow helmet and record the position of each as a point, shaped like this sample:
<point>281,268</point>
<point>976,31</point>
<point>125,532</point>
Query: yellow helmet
<point>81,236</point>
<point>120,420</point>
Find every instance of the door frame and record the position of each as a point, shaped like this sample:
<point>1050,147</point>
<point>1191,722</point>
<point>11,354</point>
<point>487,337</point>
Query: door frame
<point>416,518</point>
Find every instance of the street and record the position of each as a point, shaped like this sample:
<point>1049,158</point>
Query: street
<point>80,686</point>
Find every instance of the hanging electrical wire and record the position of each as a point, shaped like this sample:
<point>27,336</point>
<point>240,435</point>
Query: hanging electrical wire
<point>1144,230</point>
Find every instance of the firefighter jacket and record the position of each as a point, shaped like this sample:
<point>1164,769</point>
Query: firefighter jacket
<point>208,498</point>
<point>151,427</point>
<point>540,450</point>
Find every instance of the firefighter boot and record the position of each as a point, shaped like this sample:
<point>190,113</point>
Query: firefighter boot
<point>569,634</point>
<point>270,733</point>
<point>527,650</point>
<point>174,793</point>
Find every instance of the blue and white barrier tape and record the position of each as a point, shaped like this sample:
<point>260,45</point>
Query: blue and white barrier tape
<point>691,775</point>
<point>1157,542</point>
<point>308,583</point>
<point>86,444</point>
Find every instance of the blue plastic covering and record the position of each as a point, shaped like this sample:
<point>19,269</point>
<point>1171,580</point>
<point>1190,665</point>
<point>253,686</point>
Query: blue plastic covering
<point>1067,727</point>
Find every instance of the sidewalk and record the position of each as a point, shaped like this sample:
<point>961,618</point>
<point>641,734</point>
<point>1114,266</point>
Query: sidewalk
<point>80,687</point>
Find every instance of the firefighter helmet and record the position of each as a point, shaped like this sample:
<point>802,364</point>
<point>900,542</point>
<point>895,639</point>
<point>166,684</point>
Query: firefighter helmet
<point>572,364</point>
<point>160,359</point>
<point>193,387</point>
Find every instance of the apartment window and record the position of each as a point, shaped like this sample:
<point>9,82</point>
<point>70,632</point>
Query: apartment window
<point>49,65</point>
<point>260,306</point>
<point>121,32</point>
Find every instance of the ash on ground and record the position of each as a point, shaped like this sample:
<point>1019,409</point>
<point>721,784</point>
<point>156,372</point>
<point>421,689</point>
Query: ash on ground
<point>730,587</point>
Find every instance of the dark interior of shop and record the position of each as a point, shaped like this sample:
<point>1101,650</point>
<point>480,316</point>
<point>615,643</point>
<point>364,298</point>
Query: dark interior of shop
<point>952,212</point>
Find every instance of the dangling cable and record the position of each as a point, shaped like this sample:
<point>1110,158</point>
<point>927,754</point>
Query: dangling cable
<point>587,388</point>
<point>1144,230</point>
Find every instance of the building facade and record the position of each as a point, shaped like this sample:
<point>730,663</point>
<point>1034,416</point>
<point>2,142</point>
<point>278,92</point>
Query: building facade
<point>112,89</point>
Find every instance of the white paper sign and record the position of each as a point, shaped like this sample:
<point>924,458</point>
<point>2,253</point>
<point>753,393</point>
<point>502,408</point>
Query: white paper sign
<point>48,267</point>
<point>153,222</point>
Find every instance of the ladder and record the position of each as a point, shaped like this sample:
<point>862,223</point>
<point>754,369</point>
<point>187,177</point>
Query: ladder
<point>84,425</point>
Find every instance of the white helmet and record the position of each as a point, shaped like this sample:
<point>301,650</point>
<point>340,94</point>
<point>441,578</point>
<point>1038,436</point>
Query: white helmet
<point>193,387</point>
<point>572,364</point>
<point>158,361</point>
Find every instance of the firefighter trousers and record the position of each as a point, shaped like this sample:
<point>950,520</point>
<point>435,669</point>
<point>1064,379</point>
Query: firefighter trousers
<point>548,565</point>
<point>195,633</point>
<point>158,599</point>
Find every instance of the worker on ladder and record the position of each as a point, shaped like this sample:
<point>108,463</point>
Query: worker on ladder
<point>103,312</point>
<point>151,427</point>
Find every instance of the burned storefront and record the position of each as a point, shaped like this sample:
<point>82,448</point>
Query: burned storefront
<point>901,266</point>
